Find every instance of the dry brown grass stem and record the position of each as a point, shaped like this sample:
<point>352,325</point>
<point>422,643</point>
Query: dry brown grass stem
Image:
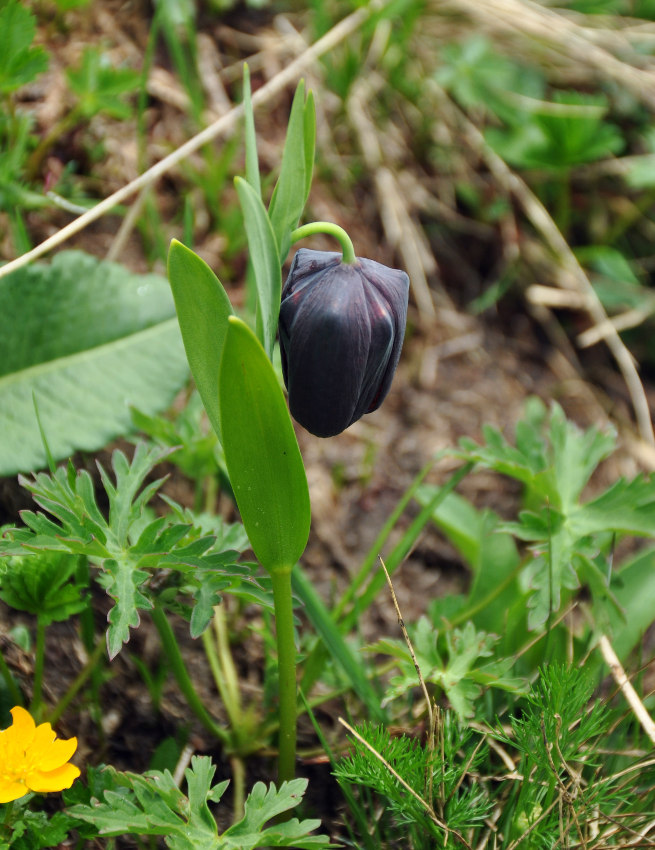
<point>565,299</point>
<point>574,274</point>
<point>403,233</point>
<point>582,45</point>
<point>632,698</point>
<point>218,128</point>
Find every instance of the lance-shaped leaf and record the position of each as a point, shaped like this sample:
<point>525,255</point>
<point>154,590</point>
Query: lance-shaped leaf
<point>292,188</point>
<point>202,310</point>
<point>261,451</point>
<point>265,262</point>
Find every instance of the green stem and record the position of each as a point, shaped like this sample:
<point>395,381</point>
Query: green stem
<point>12,687</point>
<point>176,662</point>
<point>9,811</point>
<point>238,786</point>
<point>331,229</point>
<point>39,659</point>
<point>223,670</point>
<point>286,660</point>
<point>90,668</point>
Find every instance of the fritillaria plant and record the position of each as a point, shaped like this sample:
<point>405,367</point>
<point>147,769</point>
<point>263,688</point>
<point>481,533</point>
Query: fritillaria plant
<point>341,328</point>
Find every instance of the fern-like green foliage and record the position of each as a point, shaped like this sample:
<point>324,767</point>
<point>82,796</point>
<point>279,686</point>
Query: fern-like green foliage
<point>128,545</point>
<point>152,804</point>
<point>443,792</point>
<point>567,791</point>
<point>570,785</point>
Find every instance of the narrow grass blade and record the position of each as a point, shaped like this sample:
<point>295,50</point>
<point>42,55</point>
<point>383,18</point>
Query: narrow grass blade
<point>342,654</point>
<point>252,159</point>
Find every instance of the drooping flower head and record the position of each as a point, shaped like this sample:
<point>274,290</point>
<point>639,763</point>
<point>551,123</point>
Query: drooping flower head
<point>341,333</point>
<point>32,758</point>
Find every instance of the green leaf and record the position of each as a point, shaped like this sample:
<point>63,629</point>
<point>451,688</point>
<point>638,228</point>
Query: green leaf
<point>628,507</point>
<point>292,187</point>
<point>252,159</point>
<point>86,339</point>
<point>19,62</point>
<point>491,554</point>
<point>101,87</point>
<point>261,451</point>
<point>461,676</point>
<point>122,582</point>
<point>553,457</point>
<point>126,545</point>
<point>262,805</point>
<point>41,585</point>
<point>341,652</point>
<point>203,309</point>
<point>634,591</point>
<point>151,804</point>
<point>265,262</point>
<point>309,143</point>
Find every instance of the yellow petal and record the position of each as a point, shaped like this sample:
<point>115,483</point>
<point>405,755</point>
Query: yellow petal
<point>56,754</point>
<point>12,790</point>
<point>43,738</point>
<point>52,780</point>
<point>23,729</point>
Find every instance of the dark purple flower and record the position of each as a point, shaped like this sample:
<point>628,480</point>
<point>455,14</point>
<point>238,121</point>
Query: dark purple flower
<point>341,332</point>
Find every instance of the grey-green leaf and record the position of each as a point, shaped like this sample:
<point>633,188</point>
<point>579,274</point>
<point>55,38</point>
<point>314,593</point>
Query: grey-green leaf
<point>85,339</point>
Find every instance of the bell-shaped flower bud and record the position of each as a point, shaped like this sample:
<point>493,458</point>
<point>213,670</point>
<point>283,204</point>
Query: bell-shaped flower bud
<point>341,332</point>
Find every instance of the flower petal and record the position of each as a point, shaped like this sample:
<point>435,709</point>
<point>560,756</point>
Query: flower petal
<point>53,780</point>
<point>54,755</point>
<point>23,728</point>
<point>11,789</point>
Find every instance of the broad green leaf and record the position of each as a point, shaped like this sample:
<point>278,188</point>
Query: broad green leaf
<point>261,451</point>
<point>86,339</point>
<point>627,507</point>
<point>290,193</point>
<point>265,261</point>
<point>491,554</point>
<point>19,61</point>
<point>252,159</point>
<point>202,310</point>
<point>635,592</point>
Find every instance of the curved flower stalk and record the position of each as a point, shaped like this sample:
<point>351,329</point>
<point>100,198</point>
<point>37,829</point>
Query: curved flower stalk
<point>32,758</point>
<point>342,324</point>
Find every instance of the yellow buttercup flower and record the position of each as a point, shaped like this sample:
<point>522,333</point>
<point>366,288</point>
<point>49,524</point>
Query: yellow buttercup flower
<point>32,758</point>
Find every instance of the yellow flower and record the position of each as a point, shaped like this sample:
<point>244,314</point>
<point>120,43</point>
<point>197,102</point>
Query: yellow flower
<point>33,759</point>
